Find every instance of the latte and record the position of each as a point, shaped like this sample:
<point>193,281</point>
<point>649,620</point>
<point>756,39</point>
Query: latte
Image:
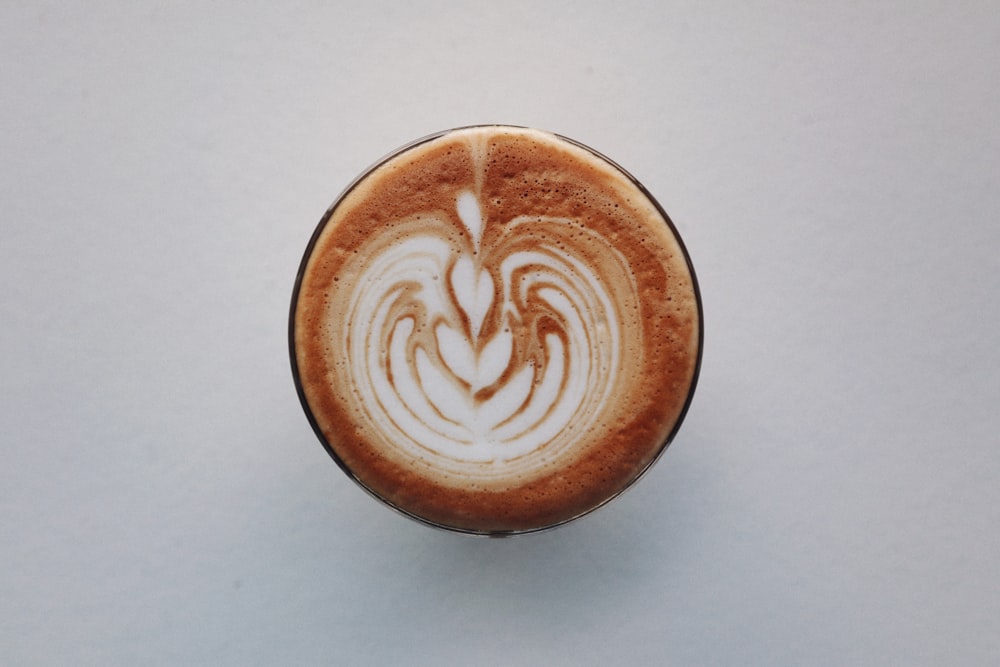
<point>495,330</point>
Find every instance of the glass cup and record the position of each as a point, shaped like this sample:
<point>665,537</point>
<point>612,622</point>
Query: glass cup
<point>495,330</point>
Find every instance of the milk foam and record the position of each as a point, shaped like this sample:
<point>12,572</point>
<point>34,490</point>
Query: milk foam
<point>496,329</point>
<point>458,394</point>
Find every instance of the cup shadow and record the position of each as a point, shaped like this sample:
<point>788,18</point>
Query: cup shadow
<point>600,561</point>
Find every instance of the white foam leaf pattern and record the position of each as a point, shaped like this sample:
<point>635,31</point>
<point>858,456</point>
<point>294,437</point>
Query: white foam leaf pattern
<point>471,216</point>
<point>473,292</point>
<point>544,396</point>
<point>493,360</point>
<point>476,370</point>
<point>456,352</point>
<point>442,391</point>
<point>465,378</point>
<point>497,409</point>
<point>415,415</point>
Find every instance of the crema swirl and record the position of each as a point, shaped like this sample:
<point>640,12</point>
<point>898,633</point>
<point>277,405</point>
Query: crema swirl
<point>495,330</point>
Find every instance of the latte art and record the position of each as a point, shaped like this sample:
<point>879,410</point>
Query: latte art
<point>494,354</point>
<point>495,330</point>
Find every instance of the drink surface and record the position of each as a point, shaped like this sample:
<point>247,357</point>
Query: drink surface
<point>496,330</point>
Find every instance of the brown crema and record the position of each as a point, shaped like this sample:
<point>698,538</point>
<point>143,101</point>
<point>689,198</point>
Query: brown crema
<point>495,330</point>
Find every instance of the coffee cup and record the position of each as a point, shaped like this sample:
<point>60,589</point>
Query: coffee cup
<point>495,330</point>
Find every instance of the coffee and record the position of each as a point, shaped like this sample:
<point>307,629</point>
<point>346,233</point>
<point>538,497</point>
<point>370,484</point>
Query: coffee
<point>495,330</point>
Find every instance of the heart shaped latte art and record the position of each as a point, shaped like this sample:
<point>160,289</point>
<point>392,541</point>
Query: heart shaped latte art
<point>486,357</point>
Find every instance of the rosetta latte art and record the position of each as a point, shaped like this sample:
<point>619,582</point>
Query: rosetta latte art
<point>485,358</point>
<point>495,330</point>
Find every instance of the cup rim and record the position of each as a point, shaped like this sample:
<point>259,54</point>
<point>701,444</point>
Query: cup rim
<point>300,390</point>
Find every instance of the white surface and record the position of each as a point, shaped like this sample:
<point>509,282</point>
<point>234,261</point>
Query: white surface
<point>832,498</point>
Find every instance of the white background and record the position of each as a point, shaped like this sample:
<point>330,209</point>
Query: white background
<point>832,498</point>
